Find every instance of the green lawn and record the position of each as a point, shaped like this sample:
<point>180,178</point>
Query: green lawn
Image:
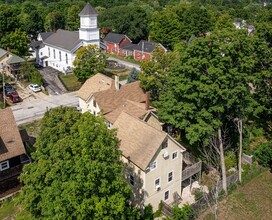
<point>70,82</point>
<point>128,59</point>
<point>10,210</point>
<point>250,201</point>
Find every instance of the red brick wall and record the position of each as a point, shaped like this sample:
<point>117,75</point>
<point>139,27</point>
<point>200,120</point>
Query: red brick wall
<point>138,55</point>
<point>111,48</point>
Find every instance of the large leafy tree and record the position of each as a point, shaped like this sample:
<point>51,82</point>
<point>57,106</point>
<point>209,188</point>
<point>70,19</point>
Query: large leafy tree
<point>72,20</point>
<point>210,84</point>
<point>17,42</point>
<point>76,171</point>
<point>89,60</point>
<point>54,21</point>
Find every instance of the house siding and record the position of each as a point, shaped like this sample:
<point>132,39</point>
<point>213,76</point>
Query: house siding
<point>88,106</point>
<point>139,55</point>
<point>115,47</point>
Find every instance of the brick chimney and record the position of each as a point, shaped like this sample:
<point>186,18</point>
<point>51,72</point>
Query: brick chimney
<point>116,82</point>
<point>147,100</point>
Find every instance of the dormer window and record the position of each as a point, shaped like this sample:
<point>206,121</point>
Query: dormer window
<point>4,165</point>
<point>153,165</point>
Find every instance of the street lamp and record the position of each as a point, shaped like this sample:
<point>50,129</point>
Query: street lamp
<point>3,79</point>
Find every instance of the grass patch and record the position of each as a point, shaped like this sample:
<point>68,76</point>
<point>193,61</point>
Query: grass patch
<point>128,59</point>
<point>10,209</point>
<point>70,82</point>
<point>251,200</point>
<point>33,128</point>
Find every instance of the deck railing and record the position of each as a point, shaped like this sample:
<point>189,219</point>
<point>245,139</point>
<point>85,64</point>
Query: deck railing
<point>191,170</point>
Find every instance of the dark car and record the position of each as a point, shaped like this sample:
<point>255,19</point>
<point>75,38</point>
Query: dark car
<point>9,89</point>
<point>14,97</point>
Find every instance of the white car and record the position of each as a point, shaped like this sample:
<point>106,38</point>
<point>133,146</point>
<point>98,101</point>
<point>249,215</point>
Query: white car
<point>35,88</point>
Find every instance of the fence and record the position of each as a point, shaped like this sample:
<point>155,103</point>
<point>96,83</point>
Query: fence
<point>246,159</point>
<point>203,203</point>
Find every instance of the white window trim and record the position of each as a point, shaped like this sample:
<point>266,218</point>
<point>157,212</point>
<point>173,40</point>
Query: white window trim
<point>154,167</point>
<point>176,156</point>
<point>159,178</point>
<point>172,176</point>
<point>4,162</point>
<point>168,195</point>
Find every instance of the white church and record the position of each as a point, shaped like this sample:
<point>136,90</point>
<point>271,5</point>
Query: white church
<point>58,49</point>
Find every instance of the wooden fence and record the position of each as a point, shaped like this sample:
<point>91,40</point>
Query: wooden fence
<point>203,203</point>
<point>246,159</point>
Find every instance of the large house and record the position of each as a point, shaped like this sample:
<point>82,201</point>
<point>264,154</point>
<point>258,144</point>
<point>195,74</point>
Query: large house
<point>120,44</point>
<point>10,63</point>
<point>12,151</point>
<point>156,165</point>
<point>58,50</point>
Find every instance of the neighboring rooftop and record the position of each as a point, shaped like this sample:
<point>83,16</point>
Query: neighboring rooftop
<point>45,35</point>
<point>35,44</point>
<point>145,46</point>
<point>114,38</point>
<point>64,39</point>
<point>10,58</point>
<point>111,99</point>
<point>96,83</point>
<point>88,10</point>
<point>139,141</point>
<point>11,144</point>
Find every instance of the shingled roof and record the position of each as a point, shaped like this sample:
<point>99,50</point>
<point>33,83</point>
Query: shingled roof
<point>111,99</point>
<point>11,144</point>
<point>88,10</point>
<point>45,35</point>
<point>96,83</point>
<point>139,141</point>
<point>145,46</point>
<point>64,39</point>
<point>114,38</point>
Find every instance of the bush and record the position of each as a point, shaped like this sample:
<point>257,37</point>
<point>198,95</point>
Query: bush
<point>133,76</point>
<point>184,213</point>
<point>230,160</point>
<point>148,212</point>
<point>263,154</point>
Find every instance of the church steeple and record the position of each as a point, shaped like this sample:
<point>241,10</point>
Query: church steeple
<point>88,31</point>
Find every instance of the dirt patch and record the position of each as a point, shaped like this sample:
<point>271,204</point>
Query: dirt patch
<point>251,201</point>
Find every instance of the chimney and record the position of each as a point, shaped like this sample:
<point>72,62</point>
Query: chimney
<point>116,82</point>
<point>147,100</point>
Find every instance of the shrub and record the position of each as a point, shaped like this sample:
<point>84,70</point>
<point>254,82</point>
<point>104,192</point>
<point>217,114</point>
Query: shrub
<point>133,76</point>
<point>263,154</point>
<point>184,213</point>
<point>230,160</point>
<point>148,212</point>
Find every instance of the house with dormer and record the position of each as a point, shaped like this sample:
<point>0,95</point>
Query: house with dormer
<point>58,49</point>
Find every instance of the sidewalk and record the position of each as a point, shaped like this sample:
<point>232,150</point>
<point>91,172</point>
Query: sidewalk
<point>126,63</point>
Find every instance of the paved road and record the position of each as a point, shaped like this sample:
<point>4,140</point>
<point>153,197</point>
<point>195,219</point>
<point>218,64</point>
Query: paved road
<point>52,83</point>
<point>28,111</point>
<point>125,63</point>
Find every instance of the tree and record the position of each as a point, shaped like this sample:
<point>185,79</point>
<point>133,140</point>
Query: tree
<point>89,60</point>
<point>133,75</point>
<point>8,19</point>
<point>72,20</point>
<point>54,21</point>
<point>17,42</point>
<point>30,73</point>
<point>155,71</point>
<point>76,171</point>
<point>165,28</point>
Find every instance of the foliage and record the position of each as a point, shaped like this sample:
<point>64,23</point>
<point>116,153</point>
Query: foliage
<point>263,154</point>
<point>126,19</point>
<point>155,71</point>
<point>133,75</point>
<point>76,171</point>
<point>148,212</point>
<point>17,42</point>
<point>73,21</point>
<point>230,160</point>
<point>54,21</point>
<point>184,213</point>
<point>89,60</point>
<point>70,82</point>
<point>30,73</point>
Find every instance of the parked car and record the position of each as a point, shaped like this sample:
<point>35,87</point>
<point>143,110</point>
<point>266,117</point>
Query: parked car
<point>35,88</point>
<point>14,97</point>
<point>9,89</point>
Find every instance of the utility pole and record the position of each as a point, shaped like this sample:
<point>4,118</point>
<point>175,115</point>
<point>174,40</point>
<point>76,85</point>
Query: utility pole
<point>3,79</point>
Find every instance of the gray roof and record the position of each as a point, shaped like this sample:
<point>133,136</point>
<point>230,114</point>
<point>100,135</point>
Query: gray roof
<point>145,46</point>
<point>15,59</point>
<point>128,46</point>
<point>114,38</point>
<point>64,39</point>
<point>87,10</point>
<point>35,44</point>
<point>2,52</point>
<point>45,35</point>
